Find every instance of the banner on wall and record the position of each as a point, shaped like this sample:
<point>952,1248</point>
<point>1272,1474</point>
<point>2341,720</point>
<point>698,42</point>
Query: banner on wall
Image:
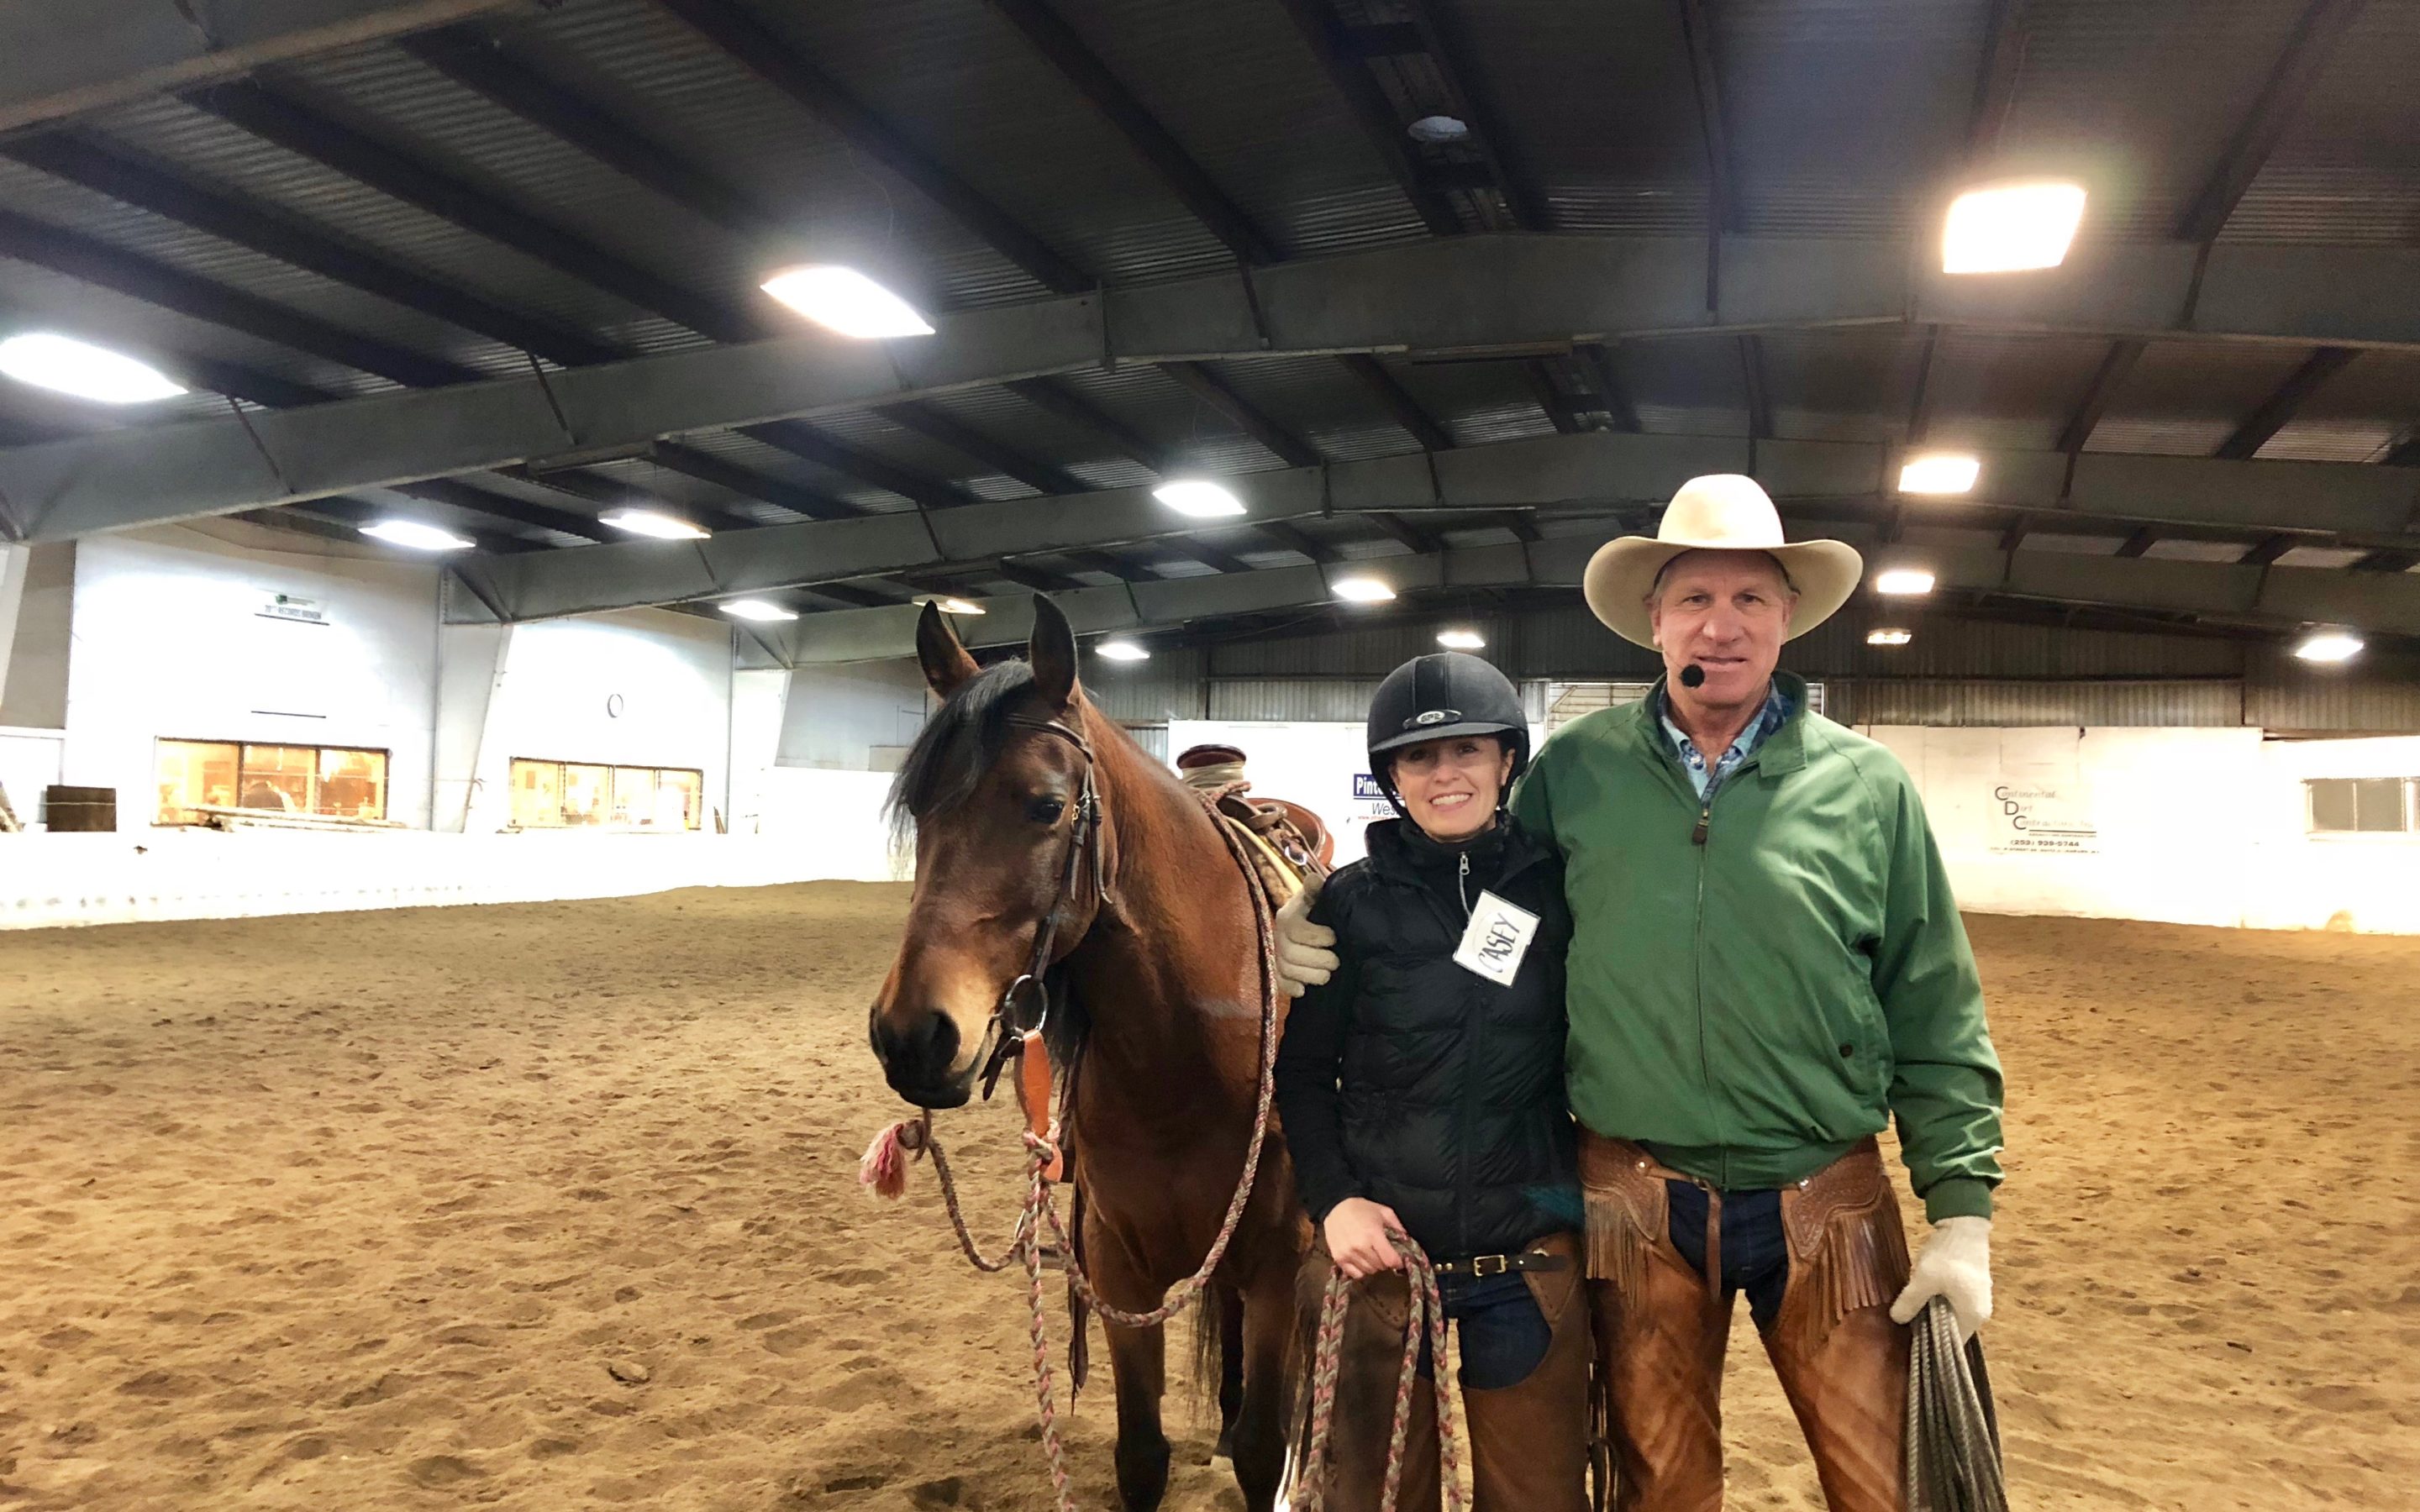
<point>2043,805</point>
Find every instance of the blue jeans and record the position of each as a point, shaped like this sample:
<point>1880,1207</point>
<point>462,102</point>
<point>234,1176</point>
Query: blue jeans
<point>1504,1334</point>
<point>1755,1250</point>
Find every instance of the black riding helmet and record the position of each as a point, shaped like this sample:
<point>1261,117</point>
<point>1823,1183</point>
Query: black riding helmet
<point>1431,697</point>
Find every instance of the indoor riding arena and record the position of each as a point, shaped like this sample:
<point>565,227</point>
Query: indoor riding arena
<point>492,493</point>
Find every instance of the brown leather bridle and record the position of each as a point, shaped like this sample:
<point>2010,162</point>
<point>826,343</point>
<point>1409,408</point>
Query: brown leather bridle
<point>1007,1029</point>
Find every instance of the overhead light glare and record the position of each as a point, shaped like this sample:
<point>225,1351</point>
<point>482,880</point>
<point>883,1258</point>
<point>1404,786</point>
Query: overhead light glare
<point>419,537</point>
<point>655,526</point>
<point>951,605</point>
<point>1462,640</point>
<point>1438,129</point>
<point>1361,590</point>
<point>1123,651</point>
<point>1903,580</point>
<point>67,365</point>
<point>2011,228</point>
<point>1199,497</point>
<point>1939,474</point>
<point>845,301</point>
<point>758,610</point>
<point>1888,638</point>
<point>2329,647</point>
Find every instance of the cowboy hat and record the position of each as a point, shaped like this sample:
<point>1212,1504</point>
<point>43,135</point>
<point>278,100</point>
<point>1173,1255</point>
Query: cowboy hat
<point>1719,512</point>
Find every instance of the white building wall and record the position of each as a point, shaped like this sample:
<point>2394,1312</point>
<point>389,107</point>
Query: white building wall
<point>856,718</point>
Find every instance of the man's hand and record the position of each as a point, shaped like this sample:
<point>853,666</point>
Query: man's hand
<point>1356,1231</point>
<point>1956,1263</point>
<point>1304,958</point>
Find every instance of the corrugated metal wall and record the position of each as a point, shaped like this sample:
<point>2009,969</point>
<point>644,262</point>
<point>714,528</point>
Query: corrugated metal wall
<point>1932,700</point>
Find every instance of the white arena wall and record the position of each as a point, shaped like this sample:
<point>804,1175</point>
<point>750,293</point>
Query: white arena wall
<point>2184,826</point>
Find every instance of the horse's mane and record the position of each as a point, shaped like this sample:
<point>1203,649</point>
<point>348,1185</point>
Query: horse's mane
<point>956,747</point>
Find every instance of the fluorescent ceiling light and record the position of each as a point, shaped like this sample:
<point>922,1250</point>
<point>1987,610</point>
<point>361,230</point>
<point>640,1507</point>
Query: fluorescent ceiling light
<point>1123,651</point>
<point>71,367</point>
<point>1903,580</point>
<point>1461,640</point>
<point>1199,497</point>
<point>2329,645</point>
<point>757,609</point>
<point>949,604</point>
<point>661,527</point>
<point>1888,638</point>
<point>1361,590</point>
<point>413,533</point>
<point>1939,474</point>
<point>845,301</point>
<point>2008,228</point>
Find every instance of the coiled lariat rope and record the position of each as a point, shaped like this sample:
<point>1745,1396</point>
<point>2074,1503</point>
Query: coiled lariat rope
<point>1953,1431</point>
<point>884,1170</point>
<point>1426,1318</point>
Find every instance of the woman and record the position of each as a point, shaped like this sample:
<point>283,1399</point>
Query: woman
<point>1421,1088</point>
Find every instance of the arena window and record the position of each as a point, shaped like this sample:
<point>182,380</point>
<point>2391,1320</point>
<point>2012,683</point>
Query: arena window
<point>2361,805</point>
<point>548,794</point>
<point>333,781</point>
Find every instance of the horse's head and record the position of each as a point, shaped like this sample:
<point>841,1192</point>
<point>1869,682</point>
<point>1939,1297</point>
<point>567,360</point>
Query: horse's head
<point>995,800</point>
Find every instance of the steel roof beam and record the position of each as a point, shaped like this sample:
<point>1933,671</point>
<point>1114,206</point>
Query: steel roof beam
<point>1055,398</point>
<point>1295,538</point>
<point>1186,178</point>
<point>803,441</point>
<point>1338,48</point>
<point>705,468</point>
<point>1445,47</point>
<point>2107,379</point>
<point>757,48</point>
<point>2315,37</point>
<point>1590,476</point>
<point>1400,406</point>
<point>928,420</point>
<point>1206,386</point>
<point>109,52</point>
<point>2277,411</point>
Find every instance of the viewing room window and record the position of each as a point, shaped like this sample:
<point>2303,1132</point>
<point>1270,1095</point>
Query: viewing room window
<point>573,794</point>
<point>2361,805</point>
<point>330,781</point>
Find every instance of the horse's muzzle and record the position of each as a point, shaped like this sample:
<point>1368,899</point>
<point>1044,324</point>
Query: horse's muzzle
<point>917,1057</point>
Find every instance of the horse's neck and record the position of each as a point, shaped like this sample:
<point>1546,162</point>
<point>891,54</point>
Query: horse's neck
<point>1170,943</point>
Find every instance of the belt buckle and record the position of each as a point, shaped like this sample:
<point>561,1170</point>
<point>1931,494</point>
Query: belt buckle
<point>1487,1265</point>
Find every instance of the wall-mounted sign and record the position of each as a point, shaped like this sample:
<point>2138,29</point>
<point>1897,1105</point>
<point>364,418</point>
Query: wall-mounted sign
<point>2038,818</point>
<point>1366,786</point>
<point>293,609</point>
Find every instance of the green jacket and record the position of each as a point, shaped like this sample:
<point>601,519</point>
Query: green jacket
<point>1750,1006</point>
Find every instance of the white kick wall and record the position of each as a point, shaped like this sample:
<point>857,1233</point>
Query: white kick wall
<point>2189,826</point>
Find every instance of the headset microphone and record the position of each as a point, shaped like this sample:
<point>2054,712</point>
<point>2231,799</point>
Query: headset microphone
<point>1693,675</point>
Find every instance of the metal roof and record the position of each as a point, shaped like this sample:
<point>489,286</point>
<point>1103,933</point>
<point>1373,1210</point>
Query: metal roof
<point>551,186</point>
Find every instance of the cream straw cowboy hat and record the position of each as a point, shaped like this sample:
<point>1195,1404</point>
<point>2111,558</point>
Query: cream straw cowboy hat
<point>1719,512</point>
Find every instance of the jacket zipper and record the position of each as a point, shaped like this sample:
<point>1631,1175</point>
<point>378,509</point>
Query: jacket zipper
<point>1461,883</point>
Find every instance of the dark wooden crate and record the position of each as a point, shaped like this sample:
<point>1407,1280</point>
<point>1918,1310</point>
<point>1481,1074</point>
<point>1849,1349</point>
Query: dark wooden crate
<point>73,811</point>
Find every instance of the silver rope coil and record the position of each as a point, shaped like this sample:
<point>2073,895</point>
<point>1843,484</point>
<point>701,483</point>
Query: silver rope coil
<point>1953,1431</point>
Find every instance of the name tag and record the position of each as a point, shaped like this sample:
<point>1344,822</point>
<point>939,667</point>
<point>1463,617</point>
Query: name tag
<point>1497,937</point>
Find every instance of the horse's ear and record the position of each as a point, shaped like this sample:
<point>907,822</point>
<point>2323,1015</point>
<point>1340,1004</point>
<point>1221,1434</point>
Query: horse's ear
<point>1052,651</point>
<point>945,661</point>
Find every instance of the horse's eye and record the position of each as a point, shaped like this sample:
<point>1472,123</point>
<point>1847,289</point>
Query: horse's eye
<point>1045,810</point>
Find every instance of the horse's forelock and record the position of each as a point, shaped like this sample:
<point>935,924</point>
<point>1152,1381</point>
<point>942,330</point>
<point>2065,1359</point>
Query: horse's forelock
<point>956,747</point>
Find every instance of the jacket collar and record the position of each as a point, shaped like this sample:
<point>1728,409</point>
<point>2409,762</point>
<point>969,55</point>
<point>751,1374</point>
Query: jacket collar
<point>1400,852</point>
<point>1784,751</point>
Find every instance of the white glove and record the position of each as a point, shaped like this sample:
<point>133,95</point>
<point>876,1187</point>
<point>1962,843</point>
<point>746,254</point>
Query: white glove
<point>1956,1263</point>
<point>1304,957</point>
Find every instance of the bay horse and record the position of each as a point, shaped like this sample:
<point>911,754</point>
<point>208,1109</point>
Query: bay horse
<point>1156,949</point>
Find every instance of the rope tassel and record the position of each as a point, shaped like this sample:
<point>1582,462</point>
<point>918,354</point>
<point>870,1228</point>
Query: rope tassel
<point>883,1170</point>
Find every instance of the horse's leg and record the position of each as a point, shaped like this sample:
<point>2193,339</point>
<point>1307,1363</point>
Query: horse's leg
<point>1259,1434</point>
<point>1138,1365</point>
<point>1231,1364</point>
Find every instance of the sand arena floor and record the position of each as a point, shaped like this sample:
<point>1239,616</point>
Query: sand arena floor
<point>554,1207</point>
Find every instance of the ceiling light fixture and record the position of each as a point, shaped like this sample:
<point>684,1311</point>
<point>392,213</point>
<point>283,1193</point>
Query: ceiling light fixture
<point>1940,472</point>
<point>67,365</point>
<point>1199,497</point>
<point>2329,647</point>
<point>950,604</point>
<point>1888,638</point>
<point>1438,129</point>
<point>1903,580</point>
<point>419,537</point>
<point>2011,228</point>
<point>757,609</point>
<point>1459,640</point>
<point>1123,651</point>
<point>648,523</point>
<point>845,301</point>
<point>1361,590</point>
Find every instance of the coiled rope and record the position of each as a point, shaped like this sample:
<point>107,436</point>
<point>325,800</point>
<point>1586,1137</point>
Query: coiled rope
<point>1425,1324</point>
<point>1953,1431</point>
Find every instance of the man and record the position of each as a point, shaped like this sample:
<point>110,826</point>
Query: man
<point>1766,964</point>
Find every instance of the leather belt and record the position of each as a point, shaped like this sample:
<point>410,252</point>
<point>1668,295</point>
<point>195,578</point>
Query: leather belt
<point>1487,1265</point>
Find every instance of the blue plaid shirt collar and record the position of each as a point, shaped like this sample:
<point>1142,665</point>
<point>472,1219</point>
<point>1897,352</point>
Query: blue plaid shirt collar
<point>1775,713</point>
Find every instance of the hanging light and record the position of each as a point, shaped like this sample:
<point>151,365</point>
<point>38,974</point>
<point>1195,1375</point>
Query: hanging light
<point>1199,497</point>
<point>1939,474</point>
<point>1461,640</point>
<point>655,526</point>
<point>951,604</point>
<point>417,536</point>
<point>1903,581</point>
<point>2329,647</point>
<point>1888,638</point>
<point>2011,228</point>
<point>67,365</point>
<point>1121,651</point>
<point>845,301</point>
<point>757,609</point>
<point>1361,590</point>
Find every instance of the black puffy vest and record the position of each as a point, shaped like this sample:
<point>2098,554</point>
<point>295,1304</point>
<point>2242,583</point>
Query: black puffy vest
<point>1452,1087</point>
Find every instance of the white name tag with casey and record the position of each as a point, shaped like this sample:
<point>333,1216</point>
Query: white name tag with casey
<point>1497,939</point>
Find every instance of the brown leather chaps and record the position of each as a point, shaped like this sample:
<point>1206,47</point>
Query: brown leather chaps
<point>1529,1441</point>
<point>1661,1327</point>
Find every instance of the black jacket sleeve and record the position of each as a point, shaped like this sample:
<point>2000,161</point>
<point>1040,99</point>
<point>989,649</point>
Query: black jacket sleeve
<point>1309,1106</point>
